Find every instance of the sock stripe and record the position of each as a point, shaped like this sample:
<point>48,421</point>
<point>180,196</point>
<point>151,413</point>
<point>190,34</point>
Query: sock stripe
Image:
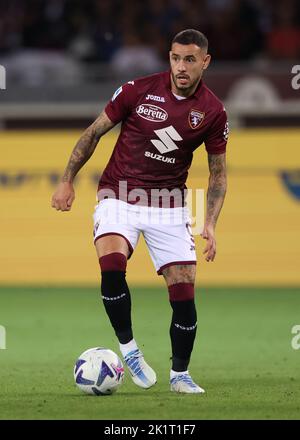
<point>113,298</point>
<point>181,327</point>
<point>113,262</point>
<point>181,291</point>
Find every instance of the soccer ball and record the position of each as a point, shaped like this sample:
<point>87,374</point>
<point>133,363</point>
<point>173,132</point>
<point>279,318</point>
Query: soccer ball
<point>98,371</point>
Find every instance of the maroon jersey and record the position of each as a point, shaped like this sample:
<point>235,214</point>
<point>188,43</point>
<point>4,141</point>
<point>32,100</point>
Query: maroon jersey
<point>159,133</point>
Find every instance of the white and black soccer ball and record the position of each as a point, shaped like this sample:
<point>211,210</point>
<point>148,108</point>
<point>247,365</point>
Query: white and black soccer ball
<point>99,371</point>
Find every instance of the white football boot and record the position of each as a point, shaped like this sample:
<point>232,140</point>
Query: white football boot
<point>183,383</point>
<point>142,374</point>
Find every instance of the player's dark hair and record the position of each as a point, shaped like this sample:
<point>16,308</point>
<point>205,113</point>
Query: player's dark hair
<point>191,36</point>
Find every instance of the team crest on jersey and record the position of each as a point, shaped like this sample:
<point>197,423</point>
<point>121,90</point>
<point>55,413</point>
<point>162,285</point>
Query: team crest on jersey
<point>196,118</point>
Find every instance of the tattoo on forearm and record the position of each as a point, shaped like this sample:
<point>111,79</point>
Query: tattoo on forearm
<point>86,146</point>
<point>216,188</point>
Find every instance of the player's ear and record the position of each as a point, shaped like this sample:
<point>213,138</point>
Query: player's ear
<point>206,61</point>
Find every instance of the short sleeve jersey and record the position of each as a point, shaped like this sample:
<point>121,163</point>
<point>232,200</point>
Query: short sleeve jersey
<point>159,133</point>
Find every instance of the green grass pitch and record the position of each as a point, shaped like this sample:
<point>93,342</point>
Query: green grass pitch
<point>243,355</point>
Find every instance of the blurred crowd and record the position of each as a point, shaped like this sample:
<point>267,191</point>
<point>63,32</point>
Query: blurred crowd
<point>135,34</point>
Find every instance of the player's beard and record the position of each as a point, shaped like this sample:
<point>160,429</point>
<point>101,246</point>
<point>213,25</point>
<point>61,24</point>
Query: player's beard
<point>187,87</point>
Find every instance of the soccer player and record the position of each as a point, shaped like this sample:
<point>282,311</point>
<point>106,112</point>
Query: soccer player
<point>164,117</point>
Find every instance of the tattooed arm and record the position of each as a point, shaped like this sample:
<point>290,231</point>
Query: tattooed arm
<point>215,198</point>
<point>64,195</point>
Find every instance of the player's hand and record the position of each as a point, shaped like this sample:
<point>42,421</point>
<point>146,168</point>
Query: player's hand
<point>63,197</point>
<point>211,245</point>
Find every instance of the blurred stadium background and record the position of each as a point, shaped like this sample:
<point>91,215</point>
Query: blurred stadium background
<point>64,59</point>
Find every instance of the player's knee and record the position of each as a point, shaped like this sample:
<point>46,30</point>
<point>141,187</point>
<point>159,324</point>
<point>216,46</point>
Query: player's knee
<point>181,292</point>
<point>180,274</point>
<point>114,262</point>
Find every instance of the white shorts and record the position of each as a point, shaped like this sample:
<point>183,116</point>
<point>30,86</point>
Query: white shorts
<point>167,231</point>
